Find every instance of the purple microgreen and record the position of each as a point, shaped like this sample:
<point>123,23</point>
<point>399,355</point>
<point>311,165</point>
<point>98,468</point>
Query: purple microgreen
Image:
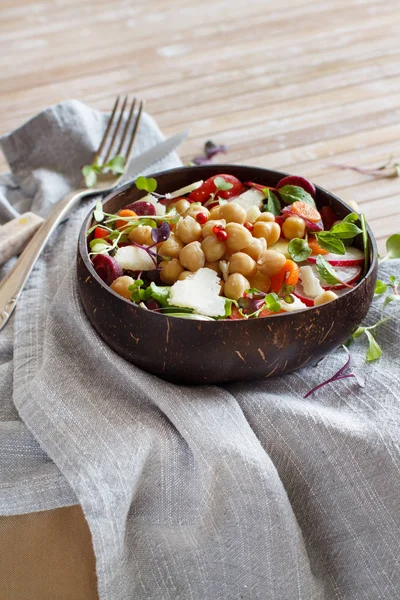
<point>388,169</point>
<point>210,150</point>
<point>339,375</point>
<point>161,233</point>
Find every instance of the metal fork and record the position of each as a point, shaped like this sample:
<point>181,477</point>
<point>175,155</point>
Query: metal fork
<point>12,285</point>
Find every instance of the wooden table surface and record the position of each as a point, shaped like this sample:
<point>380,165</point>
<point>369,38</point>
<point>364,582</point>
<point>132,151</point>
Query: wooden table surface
<point>294,85</point>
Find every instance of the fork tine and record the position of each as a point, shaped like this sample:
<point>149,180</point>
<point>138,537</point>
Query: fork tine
<point>116,131</point>
<point>107,131</point>
<point>134,131</point>
<point>127,125</point>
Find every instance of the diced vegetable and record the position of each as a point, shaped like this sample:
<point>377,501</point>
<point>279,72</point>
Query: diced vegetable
<point>185,190</point>
<point>200,292</point>
<point>310,282</point>
<point>250,198</point>
<point>133,258</point>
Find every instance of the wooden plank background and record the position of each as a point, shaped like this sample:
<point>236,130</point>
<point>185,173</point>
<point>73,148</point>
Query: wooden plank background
<point>294,85</point>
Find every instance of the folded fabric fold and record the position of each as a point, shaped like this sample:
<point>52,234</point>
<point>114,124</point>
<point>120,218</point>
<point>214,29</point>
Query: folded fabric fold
<point>203,493</point>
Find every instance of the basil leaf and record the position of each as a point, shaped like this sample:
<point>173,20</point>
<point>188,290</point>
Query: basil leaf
<point>345,230</point>
<point>330,242</point>
<point>160,293</point>
<point>293,193</point>
<point>351,218</point>
<point>272,205</point>
<point>380,287</point>
<point>374,351</point>
<point>326,271</point>
<point>221,184</point>
<point>299,250</point>
<point>393,246</point>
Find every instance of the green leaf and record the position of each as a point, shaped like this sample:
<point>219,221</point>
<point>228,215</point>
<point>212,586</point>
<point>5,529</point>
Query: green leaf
<point>374,351</point>
<point>293,193</point>
<point>89,175</point>
<point>117,164</point>
<point>272,205</point>
<point>326,271</point>
<point>160,293</point>
<point>228,307</point>
<point>345,230</point>
<point>272,302</point>
<point>148,185</point>
<point>98,213</point>
<point>299,250</point>
<point>380,287</point>
<point>351,218</point>
<point>358,332</point>
<point>365,242</point>
<point>221,184</point>
<point>330,242</point>
<point>393,246</point>
<point>390,298</point>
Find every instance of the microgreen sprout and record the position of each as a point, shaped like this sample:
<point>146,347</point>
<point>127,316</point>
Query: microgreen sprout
<point>391,168</point>
<point>210,150</point>
<point>91,172</point>
<point>340,374</point>
<point>147,184</point>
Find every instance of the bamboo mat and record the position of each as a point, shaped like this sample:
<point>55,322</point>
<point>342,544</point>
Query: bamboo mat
<point>295,85</point>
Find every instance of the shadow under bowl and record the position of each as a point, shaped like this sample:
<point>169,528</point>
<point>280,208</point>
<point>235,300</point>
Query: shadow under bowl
<point>209,352</point>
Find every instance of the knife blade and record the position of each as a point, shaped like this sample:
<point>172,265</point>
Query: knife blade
<point>150,157</point>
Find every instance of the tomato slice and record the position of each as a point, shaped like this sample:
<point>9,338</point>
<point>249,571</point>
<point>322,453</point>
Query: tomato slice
<point>101,232</point>
<point>203,193</point>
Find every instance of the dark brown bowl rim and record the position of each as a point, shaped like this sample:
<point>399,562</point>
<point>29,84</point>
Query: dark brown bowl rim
<point>224,168</point>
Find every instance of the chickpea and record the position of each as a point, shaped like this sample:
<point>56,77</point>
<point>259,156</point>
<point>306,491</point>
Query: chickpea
<point>261,282</point>
<point>242,263</point>
<point>214,266</point>
<point>256,248</point>
<point>121,284</point>
<point>266,217</point>
<point>170,271</point>
<point>180,205</point>
<point>215,213</point>
<point>213,248</point>
<point>192,256</point>
<point>233,213</point>
<point>238,237</point>
<point>195,209</point>
<point>188,230</point>
<point>324,298</point>
<point>235,286</point>
<point>252,214</point>
<point>184,275</point>
<point>208,227</point>
<point>271,262</point>
<point>271,232</point>
<point>293,227</point>
<point>141,235</point>
<point>171,247</point>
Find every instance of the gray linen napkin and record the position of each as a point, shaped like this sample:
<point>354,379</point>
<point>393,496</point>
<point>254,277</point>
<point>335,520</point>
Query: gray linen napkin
<point>214,493</point>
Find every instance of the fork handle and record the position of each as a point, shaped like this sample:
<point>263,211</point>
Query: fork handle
<point>12,285</point>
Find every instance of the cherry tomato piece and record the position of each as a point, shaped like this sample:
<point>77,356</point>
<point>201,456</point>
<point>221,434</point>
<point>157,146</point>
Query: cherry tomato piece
<point>203,193</point>
<point>101,232</point>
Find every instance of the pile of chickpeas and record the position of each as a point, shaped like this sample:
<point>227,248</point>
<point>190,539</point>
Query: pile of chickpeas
<point>227,239</point>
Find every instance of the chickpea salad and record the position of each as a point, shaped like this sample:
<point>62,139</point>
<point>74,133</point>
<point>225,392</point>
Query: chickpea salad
<point>226,249</point>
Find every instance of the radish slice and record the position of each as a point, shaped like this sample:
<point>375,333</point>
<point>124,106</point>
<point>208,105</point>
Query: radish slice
<point>347,274</point>
<point>299,293</point>
<point>353,256</point>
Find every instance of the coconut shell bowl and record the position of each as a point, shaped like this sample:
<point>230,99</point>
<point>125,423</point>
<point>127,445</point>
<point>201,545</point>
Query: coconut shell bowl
<point>199,352</point>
